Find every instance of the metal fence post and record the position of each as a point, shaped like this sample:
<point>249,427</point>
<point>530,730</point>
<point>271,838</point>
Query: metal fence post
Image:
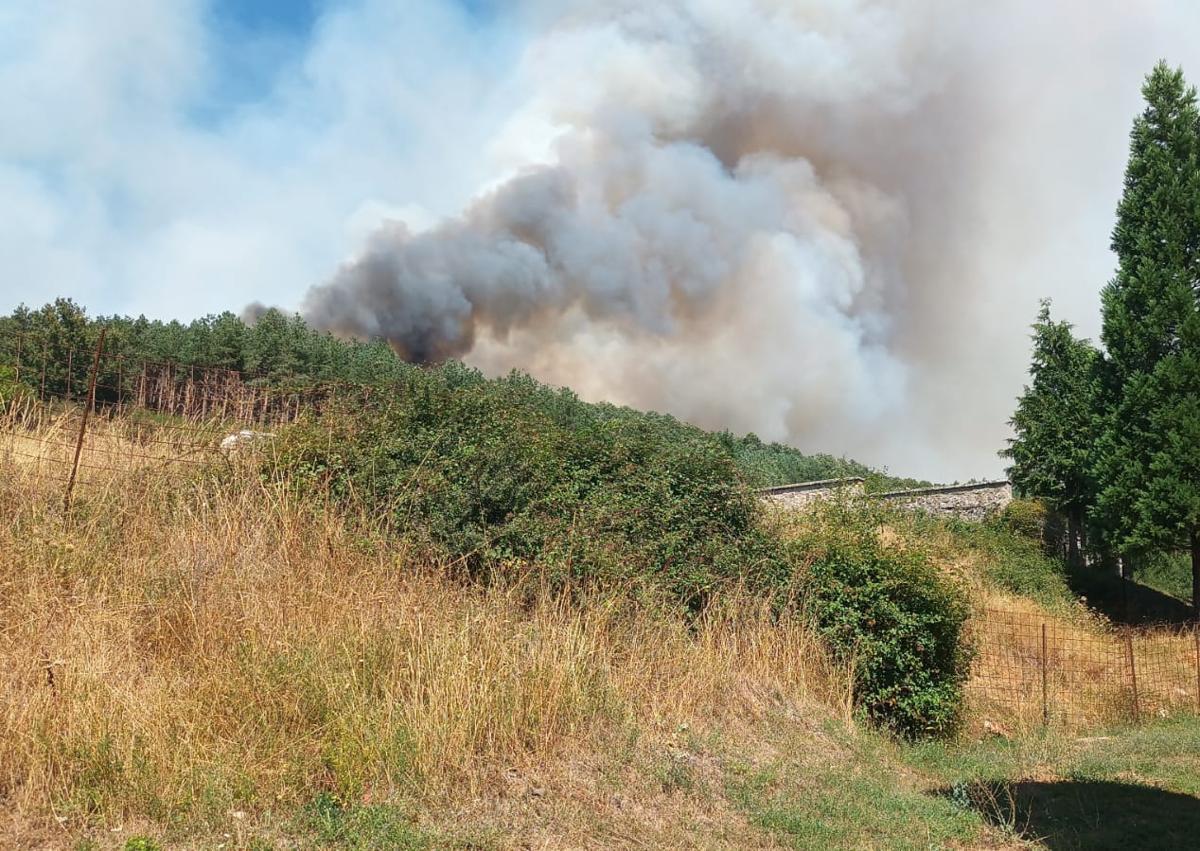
<point>87,408</point>
<point>1045,699</point>
<point>1196,641</point>
<point>1137,712</point>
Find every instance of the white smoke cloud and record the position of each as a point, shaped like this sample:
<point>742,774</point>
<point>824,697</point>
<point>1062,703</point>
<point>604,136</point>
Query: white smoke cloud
<point>764,215</point>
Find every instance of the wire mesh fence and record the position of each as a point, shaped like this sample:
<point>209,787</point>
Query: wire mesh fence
<point>59,426</point>
<point>72,414</point>
<point>1032,669</point>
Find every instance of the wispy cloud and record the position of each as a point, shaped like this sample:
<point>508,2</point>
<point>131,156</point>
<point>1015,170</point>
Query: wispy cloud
<point>136,175</point>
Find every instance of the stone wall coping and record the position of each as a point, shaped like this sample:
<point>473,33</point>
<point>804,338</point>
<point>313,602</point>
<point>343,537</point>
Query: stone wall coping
<point>823,484</point>
<point>975,486</point>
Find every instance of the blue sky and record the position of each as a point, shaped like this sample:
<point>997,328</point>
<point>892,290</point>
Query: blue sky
<point>179,158</point>
<point>294,17</point>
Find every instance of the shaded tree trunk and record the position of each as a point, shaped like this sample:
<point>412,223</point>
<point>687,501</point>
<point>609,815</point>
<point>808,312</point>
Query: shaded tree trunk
<point>1073,534</point>
<point>1196,574</point>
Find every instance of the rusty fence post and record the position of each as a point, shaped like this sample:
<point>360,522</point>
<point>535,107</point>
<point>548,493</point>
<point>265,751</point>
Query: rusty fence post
<point>1196,642</point>
<point>1137,710</point>
<point>20,340</point>
<point>1045,698</point>
<point>70,368</point>
<point>87,407</point>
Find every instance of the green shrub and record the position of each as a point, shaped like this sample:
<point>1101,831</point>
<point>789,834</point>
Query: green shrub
<point>141,843</point>
<point>896,616</point>
<point>11,390</point>
<point>503,476</point>
<point>1025,517</point>
<point>492,474</point>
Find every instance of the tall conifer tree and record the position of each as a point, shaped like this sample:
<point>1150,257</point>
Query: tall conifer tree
<point>1055,424</point>
<point>1149,456</point>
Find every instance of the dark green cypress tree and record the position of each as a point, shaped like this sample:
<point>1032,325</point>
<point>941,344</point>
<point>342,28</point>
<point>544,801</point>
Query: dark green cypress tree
<point>1149,455</point>
<point>1055,425</point>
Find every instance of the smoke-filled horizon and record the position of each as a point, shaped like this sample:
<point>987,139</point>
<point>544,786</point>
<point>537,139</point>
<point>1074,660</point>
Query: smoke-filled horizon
<point>825,221</point>
<point>764,216</point>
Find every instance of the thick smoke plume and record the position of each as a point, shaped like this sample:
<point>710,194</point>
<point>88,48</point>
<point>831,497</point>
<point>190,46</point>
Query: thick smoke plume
<point>755,214</point>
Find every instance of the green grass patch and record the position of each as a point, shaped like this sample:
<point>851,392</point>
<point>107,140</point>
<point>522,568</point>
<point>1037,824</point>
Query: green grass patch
<point>860,799</point>
<point>1170,573</point>
<point>1007,559</point>
<point>362,827</point>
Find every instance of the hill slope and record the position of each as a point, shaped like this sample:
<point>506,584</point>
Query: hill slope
<point>199,659</point>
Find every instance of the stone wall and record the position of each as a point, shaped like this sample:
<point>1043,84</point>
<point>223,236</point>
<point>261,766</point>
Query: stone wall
<point>806,493</point>
<point>969,502</point>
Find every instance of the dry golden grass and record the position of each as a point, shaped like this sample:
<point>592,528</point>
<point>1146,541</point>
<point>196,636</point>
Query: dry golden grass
<point>192,643</point>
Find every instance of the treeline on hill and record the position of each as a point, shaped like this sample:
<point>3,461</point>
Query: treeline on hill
<point>276,349</point>
<point>1110,438</point>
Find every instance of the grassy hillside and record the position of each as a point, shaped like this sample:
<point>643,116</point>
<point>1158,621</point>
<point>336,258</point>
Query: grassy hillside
<point>199,658</point>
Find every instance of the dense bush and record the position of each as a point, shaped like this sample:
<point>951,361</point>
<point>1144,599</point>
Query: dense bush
<point>891,612</point>
<point>10,389</point>
<point>1026,518</point>
<point>493,474</point>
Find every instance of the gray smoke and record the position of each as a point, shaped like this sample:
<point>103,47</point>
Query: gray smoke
<point>795,218</point>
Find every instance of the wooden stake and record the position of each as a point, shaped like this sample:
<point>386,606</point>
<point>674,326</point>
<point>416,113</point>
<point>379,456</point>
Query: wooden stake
<point>88,405</point>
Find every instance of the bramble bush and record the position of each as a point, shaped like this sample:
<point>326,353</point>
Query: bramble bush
<point>1026,518</point>
<point>891,612</point>
<point>508,473</point>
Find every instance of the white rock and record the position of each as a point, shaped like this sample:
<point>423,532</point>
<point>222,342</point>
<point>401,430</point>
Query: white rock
<point>239,439</point>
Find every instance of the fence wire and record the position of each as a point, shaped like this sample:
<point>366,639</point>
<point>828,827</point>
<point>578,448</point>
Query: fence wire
<point>1034,669</point>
